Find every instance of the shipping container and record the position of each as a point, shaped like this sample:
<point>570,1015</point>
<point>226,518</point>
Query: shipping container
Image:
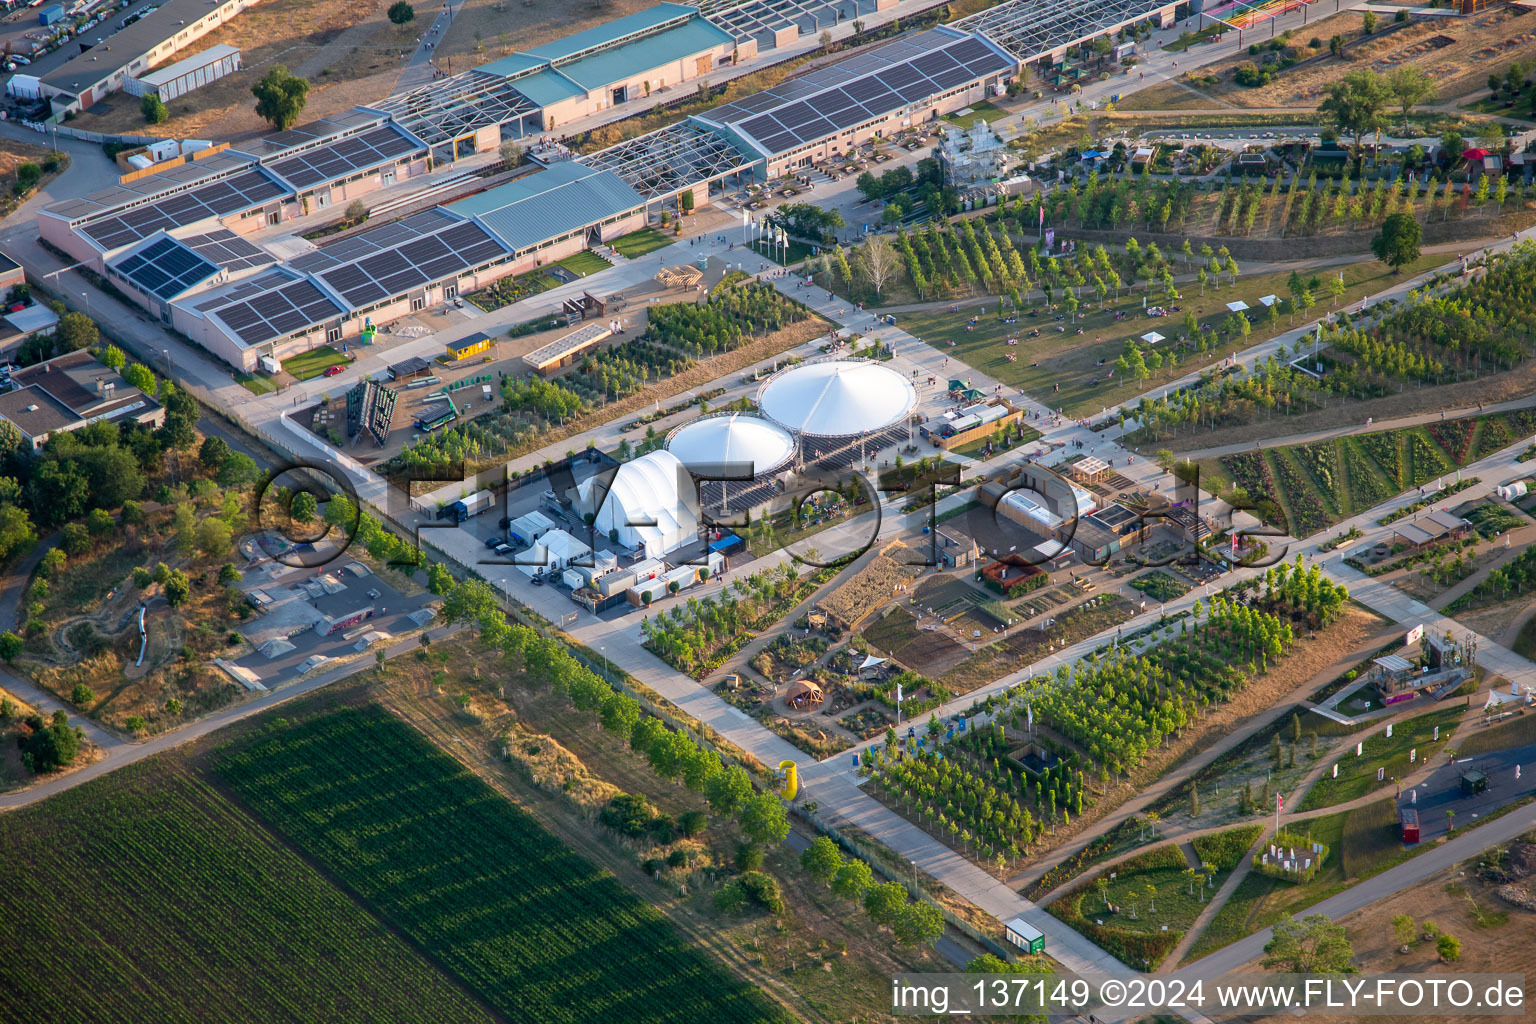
<point>1408,820</point>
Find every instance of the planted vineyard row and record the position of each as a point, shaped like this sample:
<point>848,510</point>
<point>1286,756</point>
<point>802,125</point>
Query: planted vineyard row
<point>536,931</point>
<point>179,908</point>
<point>1321,483</point>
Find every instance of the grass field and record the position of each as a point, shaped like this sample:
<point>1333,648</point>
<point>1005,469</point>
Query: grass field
<point>1515,732</point>
<point>257,383</point>
<point>314,362</point>
<point>1146,903</point>
<point>642,242</point>
<point>584,263</point>
<point>1363,842</point>
<point>1059,368</point>
<point>536,931</point>
<point>985,110</point>
<point>1357,775</point>
<point>792,255</point>
<point>146,896</point>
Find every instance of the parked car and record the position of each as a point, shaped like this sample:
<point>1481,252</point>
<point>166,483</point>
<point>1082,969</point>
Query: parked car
<point>331,371</point>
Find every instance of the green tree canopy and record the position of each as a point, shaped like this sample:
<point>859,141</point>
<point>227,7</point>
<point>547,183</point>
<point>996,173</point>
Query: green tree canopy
<point>280,97</point>
<point>401,12</point>
<point>1313,945</point>
<point>1354,103</point>
<point>1397,243</point>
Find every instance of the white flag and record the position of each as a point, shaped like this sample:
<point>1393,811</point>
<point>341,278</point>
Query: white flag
<point>1029,713</point>
<point>745,218</point>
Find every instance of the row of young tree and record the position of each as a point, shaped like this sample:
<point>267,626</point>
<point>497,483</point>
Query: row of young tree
<point>671,753</point>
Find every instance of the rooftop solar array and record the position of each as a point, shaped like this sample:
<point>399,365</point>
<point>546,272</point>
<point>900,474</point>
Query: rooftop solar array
<point>229,250</point>
<point>220,198</point>
<point>866,87</point>
<point>139,189</point>
<point>308,134</point>
<point>165,268</point>
<point>283,310</point>
<point>345,157</point>
<point>395,258</point>
<point>1029,29</point>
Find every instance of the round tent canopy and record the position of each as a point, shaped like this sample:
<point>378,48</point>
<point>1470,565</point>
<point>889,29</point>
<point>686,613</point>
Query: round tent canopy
<point>803,693</point>
<point>729,438</point>
<point>837,398</point>
<point>1475,153</point>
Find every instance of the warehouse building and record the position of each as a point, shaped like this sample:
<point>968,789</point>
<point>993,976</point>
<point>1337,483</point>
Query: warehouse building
<point>183,76</point>
<point>113,60</point>
<point>537,90</point>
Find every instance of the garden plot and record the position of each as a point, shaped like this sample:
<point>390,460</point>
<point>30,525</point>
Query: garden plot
<point>1322,483</point>
<point>919,648</point>
<point>870,590</point>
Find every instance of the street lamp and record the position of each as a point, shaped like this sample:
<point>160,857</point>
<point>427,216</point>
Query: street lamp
<point>604,652</point>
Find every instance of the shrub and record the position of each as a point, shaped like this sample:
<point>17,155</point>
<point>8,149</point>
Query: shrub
<point>82,696</point>
<point>749,857</point>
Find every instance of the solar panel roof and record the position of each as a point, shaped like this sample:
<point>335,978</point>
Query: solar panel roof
<point>165,268</point>
<point>864,88</point>
<point>290,306</point>
<point>229,250</point>
<point>395,258</point>
<point>236,194</point>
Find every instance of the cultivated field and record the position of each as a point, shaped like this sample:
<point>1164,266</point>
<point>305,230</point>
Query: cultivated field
<point>147,896</point>
<point>1322,483</point>
<point>538,932</point>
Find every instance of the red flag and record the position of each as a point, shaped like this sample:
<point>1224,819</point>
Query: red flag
<point>1279,802</point>
<point>1042,215</point>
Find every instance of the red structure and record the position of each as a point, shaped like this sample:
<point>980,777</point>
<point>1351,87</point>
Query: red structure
<point>1408,821</point>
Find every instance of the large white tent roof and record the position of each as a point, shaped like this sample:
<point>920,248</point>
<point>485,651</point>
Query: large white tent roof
<point>651,503</point>
<point>837,398</point>
<point>732,438</point>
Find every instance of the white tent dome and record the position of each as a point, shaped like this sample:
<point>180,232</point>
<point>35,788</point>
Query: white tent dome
<point>736,437</point>
<point>837,398</point>
<point>650,504</point>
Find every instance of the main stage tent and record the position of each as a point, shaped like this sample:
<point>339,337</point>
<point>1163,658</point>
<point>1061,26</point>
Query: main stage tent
<point>731,441</point>
<point>650,505</point>
<point>837,398</point>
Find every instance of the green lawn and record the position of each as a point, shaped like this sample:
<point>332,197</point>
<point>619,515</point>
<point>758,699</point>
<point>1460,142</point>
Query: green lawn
<point>1362,842</point>
<point>584,263</point>
<point>798,252</point>
<point>975,447</point>
<point>1188,39</point>
<point>639,243</point>
<point>1059,367</point>
<point>1357,775</point>
<point>1157,901</point>
<point>476,883</point>
<point>145,895</point>
<point>985,110</point>
<point>314,362</point>
<point>1514,732</point>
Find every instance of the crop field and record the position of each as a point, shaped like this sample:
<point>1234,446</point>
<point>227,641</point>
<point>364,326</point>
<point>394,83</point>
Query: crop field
<point>539,933</point>
<point>146,896</point>
<point>1325,482</point>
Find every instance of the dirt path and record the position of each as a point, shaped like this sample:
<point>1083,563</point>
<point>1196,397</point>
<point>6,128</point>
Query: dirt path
<point>1213,905</point>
